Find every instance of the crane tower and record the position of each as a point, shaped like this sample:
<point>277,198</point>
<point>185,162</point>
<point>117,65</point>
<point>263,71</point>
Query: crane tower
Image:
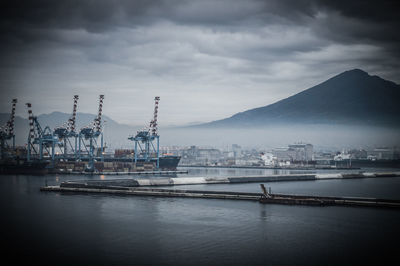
<point>67,136</point>
<point>145,148</point>
<point>41,142</point>
<point>88,137</point>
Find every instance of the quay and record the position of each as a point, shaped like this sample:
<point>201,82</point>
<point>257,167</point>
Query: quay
<point>265,198</point>
<point>290,167</point>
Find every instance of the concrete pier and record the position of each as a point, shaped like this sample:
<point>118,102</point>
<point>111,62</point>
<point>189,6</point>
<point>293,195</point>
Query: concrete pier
<point>330,201</point>
<point>228,195</point>
<point>157,192</point>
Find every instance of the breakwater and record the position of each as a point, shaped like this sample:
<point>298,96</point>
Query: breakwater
<point>229,195</point>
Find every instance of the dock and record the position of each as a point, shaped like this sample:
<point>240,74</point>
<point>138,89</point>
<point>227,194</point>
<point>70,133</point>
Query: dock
<point>146,187</point>
<point>230,195</point>
<point>289,167</point>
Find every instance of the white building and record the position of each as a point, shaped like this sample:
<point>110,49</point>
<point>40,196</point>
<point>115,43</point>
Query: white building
<point>269,159</point>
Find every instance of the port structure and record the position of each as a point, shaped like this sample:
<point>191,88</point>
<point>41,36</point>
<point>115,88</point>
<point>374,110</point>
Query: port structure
<point>145,148</point>
<point>40,141</point>
<point>88,139</point>
<point>67,136</point>
<point>7,134</point>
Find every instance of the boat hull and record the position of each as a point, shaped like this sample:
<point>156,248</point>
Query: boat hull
<point>24,167</point>
<point>166,162</point>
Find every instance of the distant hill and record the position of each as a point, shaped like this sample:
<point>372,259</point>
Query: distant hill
<point>115,133</point>
<point>352,97</point>
<point>82,119</point>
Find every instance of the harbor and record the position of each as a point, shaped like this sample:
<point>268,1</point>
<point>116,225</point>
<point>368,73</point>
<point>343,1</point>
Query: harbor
<point>199,132</point>
<point>66,149</point>
<point>65,185</point>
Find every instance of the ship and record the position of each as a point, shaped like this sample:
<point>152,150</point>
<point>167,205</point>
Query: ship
<point>166,161</point>
<point>21,167</point>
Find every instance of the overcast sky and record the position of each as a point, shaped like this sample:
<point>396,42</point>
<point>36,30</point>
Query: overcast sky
<point>207,59</point>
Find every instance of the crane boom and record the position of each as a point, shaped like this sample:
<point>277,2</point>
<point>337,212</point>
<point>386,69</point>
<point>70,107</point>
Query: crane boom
<point>98,119</point>
<point>8,128</point>
<point>153,123</point>
<point>12,118</point>
<point>71,121</point>
<point>30,117</point>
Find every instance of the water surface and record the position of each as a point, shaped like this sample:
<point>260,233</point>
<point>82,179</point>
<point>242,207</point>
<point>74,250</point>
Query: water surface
<point>91,229</point>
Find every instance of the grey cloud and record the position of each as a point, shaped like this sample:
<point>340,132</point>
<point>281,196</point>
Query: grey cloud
<point>199,48</point>
<point>346,21</point>
<point>71,14</point>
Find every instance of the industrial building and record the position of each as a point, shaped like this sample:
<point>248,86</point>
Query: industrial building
<point>200,156</point>
<point>298,152</point>
<point>382,154</point>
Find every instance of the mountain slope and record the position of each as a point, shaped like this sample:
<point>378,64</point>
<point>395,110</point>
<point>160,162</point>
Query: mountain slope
<point>350,97</point>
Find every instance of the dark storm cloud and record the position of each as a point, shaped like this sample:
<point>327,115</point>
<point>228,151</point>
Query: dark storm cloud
<point>379,11</point>
<point>103,15</point>
<point>362,21</point>
<point>28,21</point>
<point>97,15</point>
<point>339,21</point>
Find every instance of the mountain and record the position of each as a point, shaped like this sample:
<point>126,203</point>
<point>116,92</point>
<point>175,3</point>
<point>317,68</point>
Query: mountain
<point>55,119</point>
<point>352,97</point>
<point>115,134</point>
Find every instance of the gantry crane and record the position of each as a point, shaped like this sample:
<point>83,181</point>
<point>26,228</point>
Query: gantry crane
<point>145,149</point>
<point>7,133</point>
<point>39,140</point>
<point>88,136</point>
<point>66,132</point>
